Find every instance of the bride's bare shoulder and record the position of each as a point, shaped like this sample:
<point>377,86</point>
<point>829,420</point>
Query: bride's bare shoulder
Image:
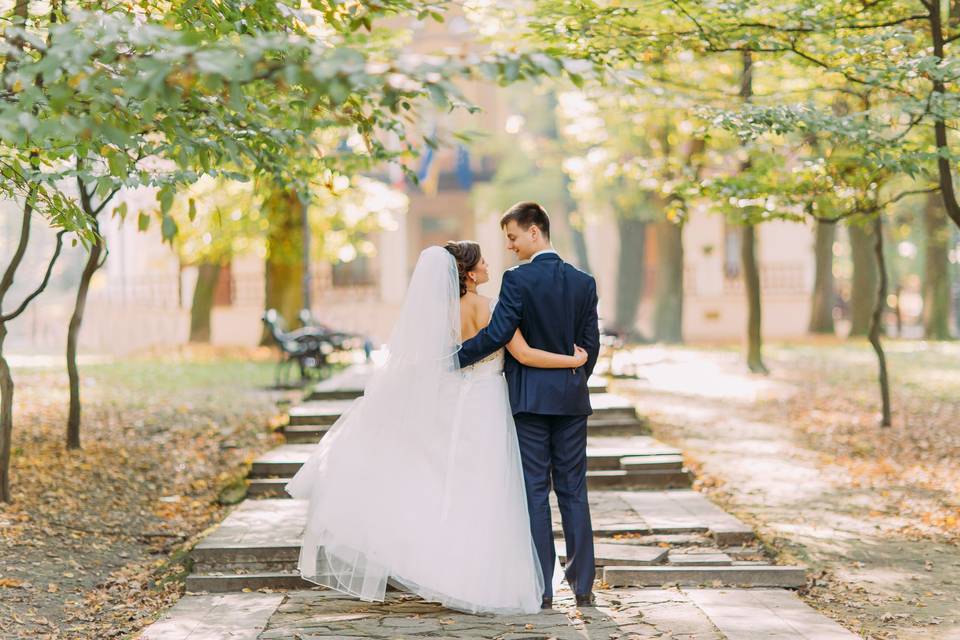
<point>476,304</point>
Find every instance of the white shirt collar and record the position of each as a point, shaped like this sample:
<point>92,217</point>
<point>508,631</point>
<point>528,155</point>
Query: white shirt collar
<point>540,253</point>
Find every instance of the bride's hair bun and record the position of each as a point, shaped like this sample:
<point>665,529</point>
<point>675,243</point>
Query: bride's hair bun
<point>467,255</point>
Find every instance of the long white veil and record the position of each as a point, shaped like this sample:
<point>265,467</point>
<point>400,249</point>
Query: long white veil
<point>405,411</point>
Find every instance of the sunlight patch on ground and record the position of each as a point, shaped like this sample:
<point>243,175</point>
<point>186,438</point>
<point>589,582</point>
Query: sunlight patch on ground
<point>52,361</point>
<point>697,373</point>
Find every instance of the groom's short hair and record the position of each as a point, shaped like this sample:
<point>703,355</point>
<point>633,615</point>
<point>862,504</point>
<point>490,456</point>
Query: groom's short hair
<point>526,214</point>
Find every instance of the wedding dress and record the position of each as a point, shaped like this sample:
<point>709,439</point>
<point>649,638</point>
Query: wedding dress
<point>420,481</point>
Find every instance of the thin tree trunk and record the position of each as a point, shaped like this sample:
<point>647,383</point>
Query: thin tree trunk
<point>575,225</point>
<point>936,271</point>
<point>876,320</point>
<point>6,379</point>
<point>73,337</point>
<point>748,252</point>
<point>751,285</point>
<point>284,266</point>
<point>865,276</point>
<point>668,313</point>
<point>944,170</point>
<point>630,274</point>
<point>21,12</point>
<point>821,306</point>
<point>207,275</point>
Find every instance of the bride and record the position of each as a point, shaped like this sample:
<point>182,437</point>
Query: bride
<point>419,482</point>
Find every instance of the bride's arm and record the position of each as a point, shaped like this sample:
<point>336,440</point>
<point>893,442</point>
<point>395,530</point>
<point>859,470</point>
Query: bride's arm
<point>527,355</point>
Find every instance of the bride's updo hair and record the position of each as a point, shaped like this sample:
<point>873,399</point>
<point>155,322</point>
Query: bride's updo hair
<point>467,255</point>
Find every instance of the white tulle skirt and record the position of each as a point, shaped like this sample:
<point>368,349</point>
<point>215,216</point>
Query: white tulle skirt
<point>430,499</point>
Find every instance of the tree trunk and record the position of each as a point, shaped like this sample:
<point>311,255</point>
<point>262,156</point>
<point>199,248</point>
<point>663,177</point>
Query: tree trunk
<point>748,251</point>
<point>751,285</point>
<point>876,320</point>
<point>936,271</point>
<point>668,313</point>
<point>630,274</point>
<point>821,307</point>
<point>284,266</point>
<point>944,169</point>
<point>208,273</point>
<point>575,225</point>
<point>73,337</point>
<point>6,379</point>
<point>865,277</point>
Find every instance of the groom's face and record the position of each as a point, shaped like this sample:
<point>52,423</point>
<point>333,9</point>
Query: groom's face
<point>522,242</point>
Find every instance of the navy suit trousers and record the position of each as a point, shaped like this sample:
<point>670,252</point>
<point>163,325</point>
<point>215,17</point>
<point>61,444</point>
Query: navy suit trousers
<point>555,448</point>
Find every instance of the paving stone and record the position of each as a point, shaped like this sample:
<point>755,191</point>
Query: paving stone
<point>620,554</point>
<point>739,576</point>
<point>665,509</point>
<point>645,613</point>
<point>770,614</point>
<point>237,616</point>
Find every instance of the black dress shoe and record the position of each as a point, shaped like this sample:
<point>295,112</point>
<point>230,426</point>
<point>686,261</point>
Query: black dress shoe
<point>586,600</point>
<point>547,603</point>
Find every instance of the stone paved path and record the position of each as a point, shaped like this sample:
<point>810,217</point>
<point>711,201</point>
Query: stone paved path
<point>666,539</point>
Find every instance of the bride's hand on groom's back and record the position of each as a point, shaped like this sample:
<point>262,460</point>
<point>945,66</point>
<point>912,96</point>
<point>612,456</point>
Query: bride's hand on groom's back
<point>580,354</point>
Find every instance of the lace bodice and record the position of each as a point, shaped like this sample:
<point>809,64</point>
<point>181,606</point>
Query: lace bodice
<point>491,365</point>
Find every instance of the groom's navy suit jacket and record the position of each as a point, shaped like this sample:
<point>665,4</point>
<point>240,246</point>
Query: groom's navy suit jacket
<point>555,306</point>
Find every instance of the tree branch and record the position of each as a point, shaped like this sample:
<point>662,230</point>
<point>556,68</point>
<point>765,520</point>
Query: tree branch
<point>43,285</point>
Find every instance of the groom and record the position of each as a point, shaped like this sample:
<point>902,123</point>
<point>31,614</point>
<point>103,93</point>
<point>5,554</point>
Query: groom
<point>555,306</point>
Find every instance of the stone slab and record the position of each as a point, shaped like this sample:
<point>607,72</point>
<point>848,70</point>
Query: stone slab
<point>771,614</point>
<point>258,523</point>
<point>693,576</point>
<point>709,559</point>
<point>234,616</point>
<point>620,554</point>
<point>318,411</point>
<point>664,509</point>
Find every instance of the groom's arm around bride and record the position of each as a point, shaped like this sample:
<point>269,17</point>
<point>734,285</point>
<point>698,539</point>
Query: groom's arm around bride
<point>555,307</point>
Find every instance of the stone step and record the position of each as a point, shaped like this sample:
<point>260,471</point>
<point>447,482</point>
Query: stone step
<point>304,433</point>
<point>752,575</point>
<point>631,514</point>
<point>609,411</point>
<point>613,467</point>
<point>654,479</point>
<point>260,484</point>
<point>666,509</point>
<point>616,426</point>
<point>601,459</point>
<point>232,582</point>
<point>323,412</point>
<point>350,384</point>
